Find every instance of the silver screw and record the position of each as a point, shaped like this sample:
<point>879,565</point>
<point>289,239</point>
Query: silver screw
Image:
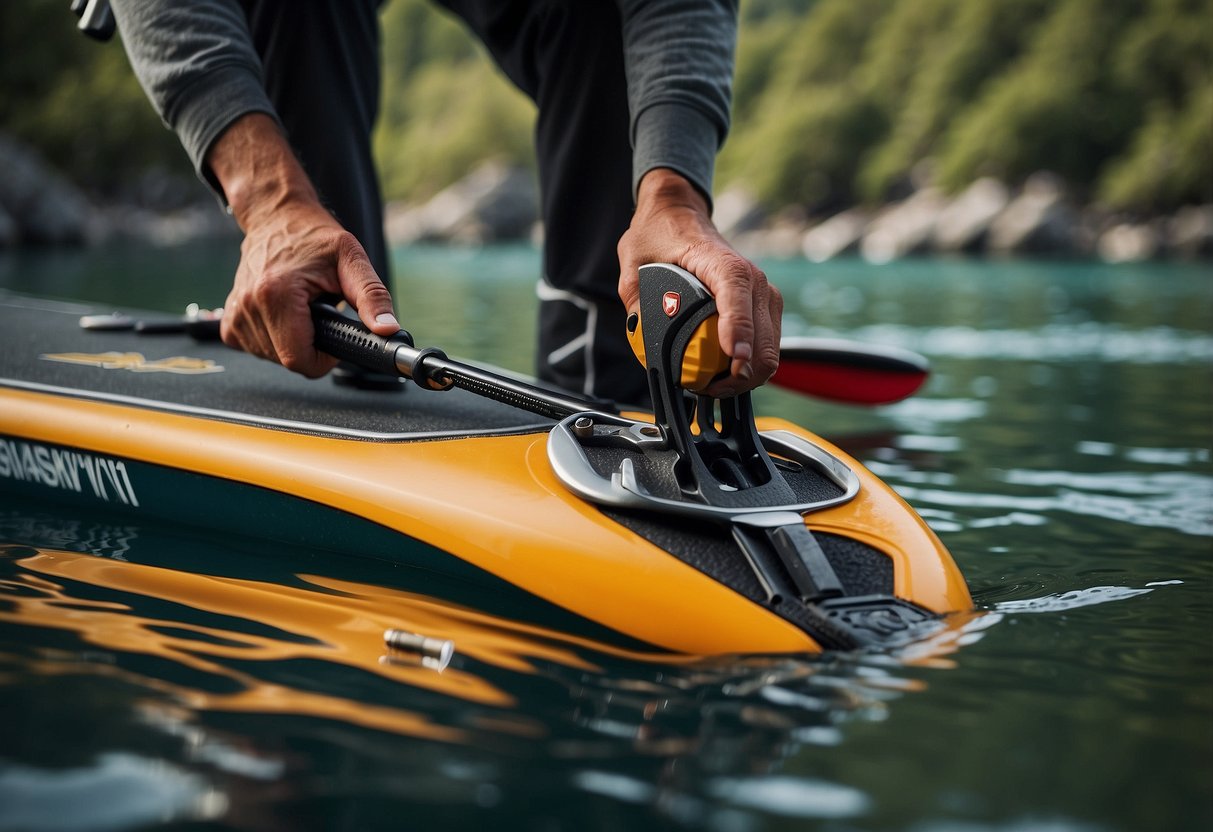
<point>434,652</point>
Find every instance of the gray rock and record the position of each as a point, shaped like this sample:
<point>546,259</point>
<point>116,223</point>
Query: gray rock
<point>838,235</point>
<point>781,237</point>
<point>736,211</point>
<point>904,228</point>
<point>1190,232</point>
<point>964,223</point>
<point>1129,242</point>
<point>781,241</point>
<point>200,221</point>
<point>493,202</point>
<point>46,208</point>
<point>404,222</point>
<point>1038,221</point>
<point>9,233</point>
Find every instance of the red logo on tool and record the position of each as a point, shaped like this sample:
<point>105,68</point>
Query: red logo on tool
<point>670,302</point>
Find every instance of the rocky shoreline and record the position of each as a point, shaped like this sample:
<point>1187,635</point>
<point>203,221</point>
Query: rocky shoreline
<point>41,207</point>
<point>497,203</point>
<point>986,219</point>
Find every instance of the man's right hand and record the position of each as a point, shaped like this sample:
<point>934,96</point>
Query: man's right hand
<point>672,224</point>
<point>294,251</point>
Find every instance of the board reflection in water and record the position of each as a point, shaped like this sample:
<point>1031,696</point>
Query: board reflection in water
<point>254,687</point>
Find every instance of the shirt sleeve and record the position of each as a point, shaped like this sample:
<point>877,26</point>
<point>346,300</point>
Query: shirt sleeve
<point>679,57</point>
<point>197,64</point>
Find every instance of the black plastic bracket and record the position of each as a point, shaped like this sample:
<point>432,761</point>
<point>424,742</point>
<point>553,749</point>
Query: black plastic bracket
<point>788,562</point>
<point>876,619</point>
<point>721,464</point>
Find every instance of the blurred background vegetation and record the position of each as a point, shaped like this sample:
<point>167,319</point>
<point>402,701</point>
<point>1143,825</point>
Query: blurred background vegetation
<point>837,102</point>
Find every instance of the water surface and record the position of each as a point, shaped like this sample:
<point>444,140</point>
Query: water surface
<point>156,678</point>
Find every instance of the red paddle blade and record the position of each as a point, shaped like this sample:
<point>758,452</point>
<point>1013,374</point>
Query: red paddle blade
<point>849,372</point>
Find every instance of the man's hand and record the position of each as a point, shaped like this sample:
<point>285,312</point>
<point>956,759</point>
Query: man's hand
<point>672,225</point>
<point>294,251</point>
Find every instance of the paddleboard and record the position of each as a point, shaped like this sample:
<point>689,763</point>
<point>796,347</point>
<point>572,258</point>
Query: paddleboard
<point>162,426</point>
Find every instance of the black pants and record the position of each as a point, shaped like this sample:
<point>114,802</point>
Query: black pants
<point>321,65</point>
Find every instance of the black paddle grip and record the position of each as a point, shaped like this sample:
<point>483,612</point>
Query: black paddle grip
<point>347,339</point>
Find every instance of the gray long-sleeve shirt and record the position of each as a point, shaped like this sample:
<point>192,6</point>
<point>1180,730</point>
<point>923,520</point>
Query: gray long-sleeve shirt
<point>197,63</point>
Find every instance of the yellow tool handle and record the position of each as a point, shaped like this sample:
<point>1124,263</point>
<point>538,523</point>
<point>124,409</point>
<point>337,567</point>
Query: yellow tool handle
<point>703,361</point>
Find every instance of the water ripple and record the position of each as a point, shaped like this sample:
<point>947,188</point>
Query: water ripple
<point>119,791</point>
<point>1177,500</point>
<point>800,797</point>
<point>1072,600</point>
<point>1052,343</point>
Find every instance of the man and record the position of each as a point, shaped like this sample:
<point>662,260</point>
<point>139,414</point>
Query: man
<point>274,100</point>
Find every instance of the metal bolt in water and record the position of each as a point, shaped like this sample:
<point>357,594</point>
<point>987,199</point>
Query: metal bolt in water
<point>433,652</point>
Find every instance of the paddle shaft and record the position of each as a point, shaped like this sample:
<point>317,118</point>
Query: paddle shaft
<point>347,339</point>
<point>834,369</point>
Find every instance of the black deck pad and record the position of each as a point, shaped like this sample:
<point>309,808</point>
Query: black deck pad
<point>247,389</point>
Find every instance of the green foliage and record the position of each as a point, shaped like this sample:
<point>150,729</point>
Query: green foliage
<point>944,68</point>
<point>1170,161</point>
<point>810,119</point>
<point>1167,52</point>
<point>1056,108</point>
<point>1112,95</point>
<point>759,46</point>
<point>904,39</point>
<point>77,101</point>
<point>809,154</point>
<point>1164,62</point>
<point>445,107</point>
<point>835,100</point>
<point>827,44</point>
<point>452,118</point>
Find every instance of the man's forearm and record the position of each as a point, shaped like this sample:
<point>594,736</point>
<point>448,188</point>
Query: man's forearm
<point>254,165</point>
<point>294,251</point>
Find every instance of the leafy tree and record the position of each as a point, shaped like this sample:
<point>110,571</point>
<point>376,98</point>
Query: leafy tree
<point>969,46</point>
<point>445,107</point>
<point>827,45</point>
<point>1169,162</point>
<point>759,46</point>
<point>836,101</point>
<point>808,126</point>
<point>1164,64</point>
<point>808,156</point>
<point>1057,108</point>
<point>77,101</point>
